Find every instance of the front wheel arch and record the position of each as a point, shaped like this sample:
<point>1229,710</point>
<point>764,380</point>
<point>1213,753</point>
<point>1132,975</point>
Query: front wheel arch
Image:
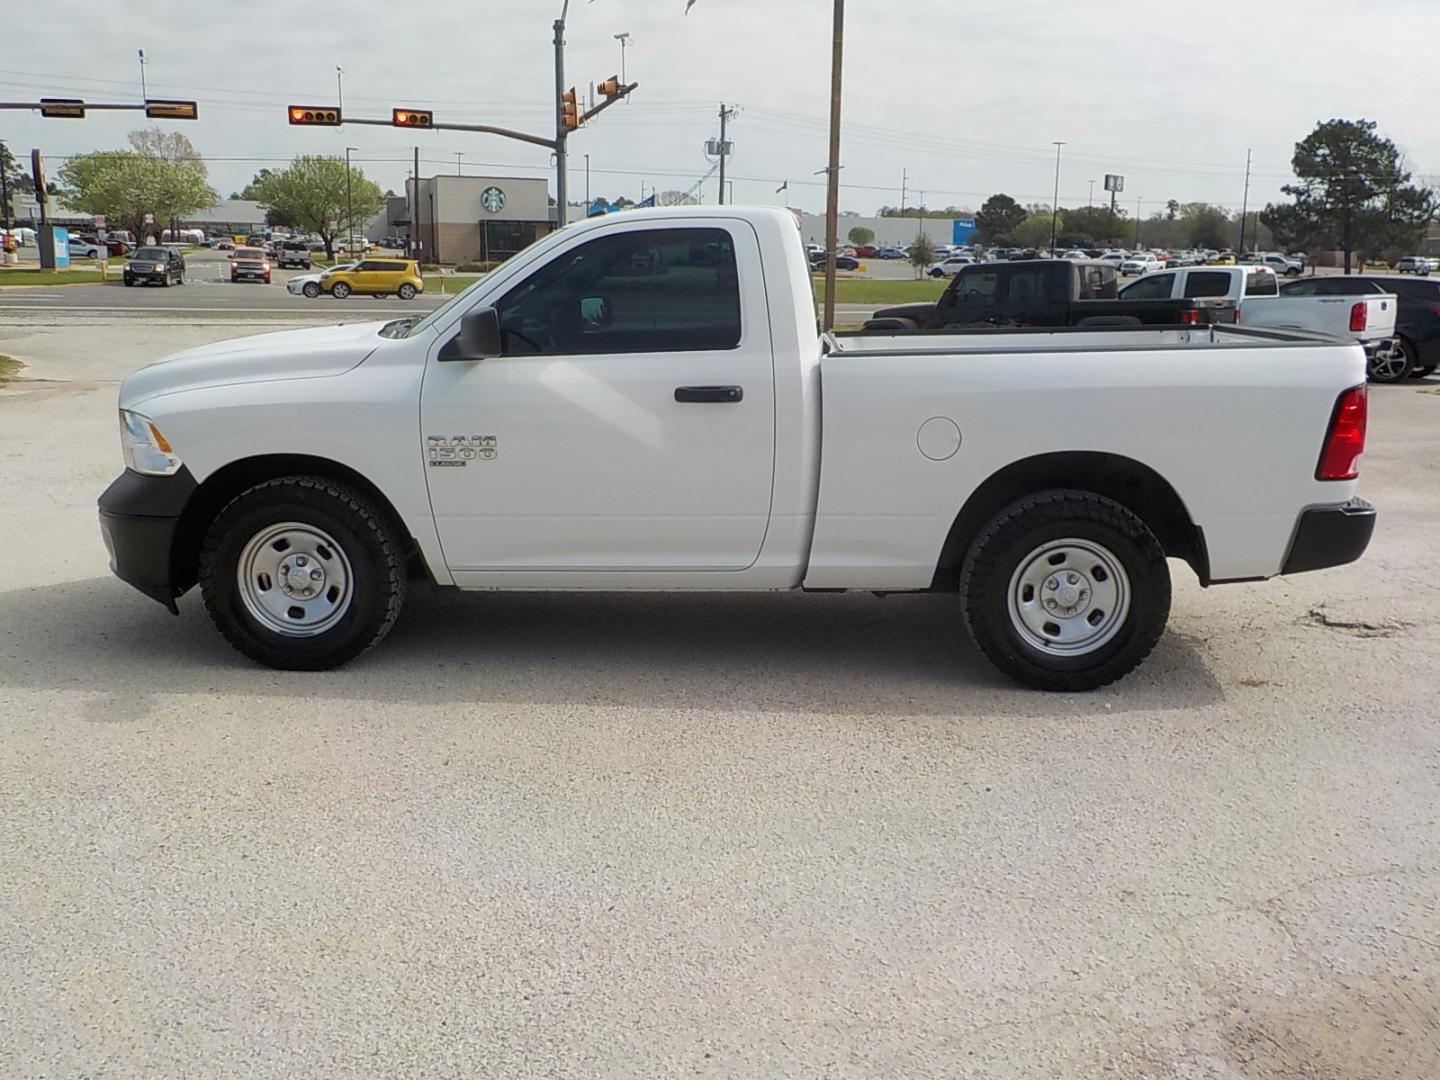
<point>223,485</point>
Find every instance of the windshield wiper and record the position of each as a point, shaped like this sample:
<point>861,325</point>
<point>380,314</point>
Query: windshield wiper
<point>399,328</point>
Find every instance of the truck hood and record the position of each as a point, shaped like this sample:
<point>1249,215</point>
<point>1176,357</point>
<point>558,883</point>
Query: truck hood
<point>314,353</point>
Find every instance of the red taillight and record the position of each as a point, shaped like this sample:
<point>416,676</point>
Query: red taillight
<point>1190,318</point>
<point>1359,317</point>
<point>1345,441</point>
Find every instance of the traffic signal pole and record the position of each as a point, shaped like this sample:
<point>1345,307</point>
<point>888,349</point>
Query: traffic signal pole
<point>561,131</point>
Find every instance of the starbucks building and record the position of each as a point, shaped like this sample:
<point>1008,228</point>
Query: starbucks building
<point>462,219</point>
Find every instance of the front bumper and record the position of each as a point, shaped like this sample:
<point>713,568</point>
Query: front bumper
<point>138,519</point>
<point>1330,536</point>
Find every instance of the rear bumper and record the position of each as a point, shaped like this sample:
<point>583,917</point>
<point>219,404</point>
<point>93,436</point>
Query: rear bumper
<point>1330,536</point>
<point>138,518</point>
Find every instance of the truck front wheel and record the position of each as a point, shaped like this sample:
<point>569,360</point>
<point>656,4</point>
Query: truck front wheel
<point>1065,590</point>
<point>301,573</point>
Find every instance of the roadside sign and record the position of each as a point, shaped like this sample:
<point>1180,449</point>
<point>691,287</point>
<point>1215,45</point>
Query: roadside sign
<point>1114,183</point>
<point>37,170</point>
<point>157,109</point>
<point>98,221</point>
<point>149,219</point>
<point>62,108</point>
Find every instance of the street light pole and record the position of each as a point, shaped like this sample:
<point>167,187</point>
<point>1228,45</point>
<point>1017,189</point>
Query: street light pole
<point>1055,202</point>
<point>340,91</point>
<point>349,202</point>
<point>143,95</point>
<point>458,170</point>
<point>624,40</point>
<point>1092,195</point>
<point>1137,221</point>
<point>587,183</point>
<point>832,194</point>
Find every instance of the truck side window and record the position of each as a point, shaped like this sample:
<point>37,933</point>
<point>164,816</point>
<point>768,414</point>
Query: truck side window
<point>1151,287</point>
<point>1029,285</point>
<point>1202,284</point>
<point>653,290</point>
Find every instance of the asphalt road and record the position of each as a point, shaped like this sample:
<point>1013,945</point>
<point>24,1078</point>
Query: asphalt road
<point>738,836</point>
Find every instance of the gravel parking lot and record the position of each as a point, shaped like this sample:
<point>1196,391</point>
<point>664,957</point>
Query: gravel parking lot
<point>737,836</point>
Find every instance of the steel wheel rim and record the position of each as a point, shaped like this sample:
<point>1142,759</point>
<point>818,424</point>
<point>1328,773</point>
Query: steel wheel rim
<point>1389,360</point>
<point>1068,597</point>
<point>295,580</point>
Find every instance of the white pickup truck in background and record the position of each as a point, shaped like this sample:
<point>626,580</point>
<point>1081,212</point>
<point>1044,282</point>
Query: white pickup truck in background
<point>1368,319</point>
<point>642,401</point>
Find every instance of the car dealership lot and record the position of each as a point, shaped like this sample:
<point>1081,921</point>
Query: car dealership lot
<point>618,835</point>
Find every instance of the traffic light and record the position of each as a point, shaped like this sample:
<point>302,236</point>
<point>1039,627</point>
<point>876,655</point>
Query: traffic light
<point>569,110</point>
<point>610,87</point>
<point>62,108</point>
<point>315,115</point>
<point>412,118</point>
<point>171,110</point>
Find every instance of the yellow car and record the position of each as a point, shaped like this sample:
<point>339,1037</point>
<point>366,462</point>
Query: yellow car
<point>1223,260</point>
<point>375,277</point>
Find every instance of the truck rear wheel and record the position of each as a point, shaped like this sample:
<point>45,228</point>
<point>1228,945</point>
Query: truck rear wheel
<point>302,574</point>
<point>1392,360</point>
<point>1065,590</point>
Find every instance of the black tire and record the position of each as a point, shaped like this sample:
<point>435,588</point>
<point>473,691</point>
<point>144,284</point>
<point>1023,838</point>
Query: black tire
<point>311,289</point>
<point>180,278</point>
<point>129,281</point>
<point>406,291</point>
<point>165,281</point>
<point>371,545</point>
<point>1391,363</point>
<point>1012,539</point>
<point>340,290</point>
<point>1421,372</point>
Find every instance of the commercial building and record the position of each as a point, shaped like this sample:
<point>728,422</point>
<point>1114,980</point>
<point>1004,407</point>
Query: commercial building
<point>462,219</point>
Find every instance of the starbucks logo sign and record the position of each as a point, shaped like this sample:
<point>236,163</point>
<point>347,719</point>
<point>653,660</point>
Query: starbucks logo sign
<point>493,199</point>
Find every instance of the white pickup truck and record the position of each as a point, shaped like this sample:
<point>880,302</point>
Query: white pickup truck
<point>643,401</point>
<point>1368,319</point>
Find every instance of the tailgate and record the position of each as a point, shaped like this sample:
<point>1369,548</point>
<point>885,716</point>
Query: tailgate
<point>1380,316</point>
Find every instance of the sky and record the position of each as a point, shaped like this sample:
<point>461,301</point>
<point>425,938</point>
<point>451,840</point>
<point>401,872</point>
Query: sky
<point>963,97</point>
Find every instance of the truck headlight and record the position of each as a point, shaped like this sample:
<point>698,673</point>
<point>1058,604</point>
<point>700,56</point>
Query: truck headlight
<point>145,449</point>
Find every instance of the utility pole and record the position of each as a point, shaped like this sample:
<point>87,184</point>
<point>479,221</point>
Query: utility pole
<point>832,194</point>
<point>1137,221</point>
<point>458,170</point>
<point>587,183</point>
<point>144,96</point>
<point>725,114</point>
<point>1091,205</point>
<point>1244,204</point>
<point>561,131</point>
<point>415,208</point>
<point>904,189</point>
<point>4,189</point>
<point>349,203</point>
<point>1055,202</point>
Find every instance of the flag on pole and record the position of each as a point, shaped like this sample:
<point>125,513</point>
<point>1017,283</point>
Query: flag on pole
<point>783,187</point>
<point>646,202</point>
<point>688,5</point>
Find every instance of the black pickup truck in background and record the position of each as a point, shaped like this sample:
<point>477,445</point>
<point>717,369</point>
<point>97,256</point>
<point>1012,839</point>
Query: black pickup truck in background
<point>1042,292</point>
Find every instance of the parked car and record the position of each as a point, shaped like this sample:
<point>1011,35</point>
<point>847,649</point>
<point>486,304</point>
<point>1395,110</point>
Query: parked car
<point>1415,351</point>
<point>1235,284</point>
<point>81,248</point>
<point>157,266</point>
<point>1142,262</point>
<point>116,246</point>
<point>293,253</point>
<point>1281,264</point>
<point>375,277</point>
<point>865,251</point>
<point>1223,258</point>
<point>951,266</point>
<point>892,253</point>
<point>1414,264</point>
<point>842,262</point>
<point>249,264</point>
<point>293,476</point>
<point>1043,292</point>
<point>309,284</point>
<point>224,244</point>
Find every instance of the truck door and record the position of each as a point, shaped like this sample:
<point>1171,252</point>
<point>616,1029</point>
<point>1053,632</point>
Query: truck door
<point>630,423</point>
<point>974,297</point>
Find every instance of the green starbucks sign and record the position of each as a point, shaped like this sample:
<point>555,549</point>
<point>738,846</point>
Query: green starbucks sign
<point>493,199</point>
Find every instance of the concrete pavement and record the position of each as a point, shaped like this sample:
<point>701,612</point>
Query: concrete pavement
<point>739,836</point>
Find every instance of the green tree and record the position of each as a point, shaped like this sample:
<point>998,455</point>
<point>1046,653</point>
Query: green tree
<point>998,218</point>
<point>1352,191</point>
<point>251,191</point>
<point>125,185</point>
<point>311,194</point>
<point>1172,209</point>
<point>1087,225</point>
<point>922,254</point>
<point>1207,226</point>
<point>860,235</point>
<point>1034,231</point>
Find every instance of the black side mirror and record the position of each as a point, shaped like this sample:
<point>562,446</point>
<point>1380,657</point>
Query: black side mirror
<point>479,337</point>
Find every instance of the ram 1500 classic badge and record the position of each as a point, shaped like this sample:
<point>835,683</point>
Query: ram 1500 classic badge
<point>460,450</point>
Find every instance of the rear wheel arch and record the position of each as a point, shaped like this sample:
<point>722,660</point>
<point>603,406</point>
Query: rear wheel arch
<point>1133,485</point>
<point>223,485</point>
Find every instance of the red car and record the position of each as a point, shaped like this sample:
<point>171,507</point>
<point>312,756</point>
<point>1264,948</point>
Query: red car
<point>249,264</point>
<point>866,251</point>
<point>118,247</point>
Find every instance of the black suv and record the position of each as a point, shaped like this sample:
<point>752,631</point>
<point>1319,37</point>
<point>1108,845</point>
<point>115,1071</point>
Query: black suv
<point>1416,352</point>
<point>164,266</point>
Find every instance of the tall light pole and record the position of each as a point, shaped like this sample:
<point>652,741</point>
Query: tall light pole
<point>143,95</point>
<point>624,40</point>
<point>587,183</point>
<point>340,91</point>
<point>1055,202</point>
<point>1137,221</point>
<point>1092,195</point>
<point>1245,205</point>
<point>458,170</point>
<point>832,193</point>
<point>349,202</point>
